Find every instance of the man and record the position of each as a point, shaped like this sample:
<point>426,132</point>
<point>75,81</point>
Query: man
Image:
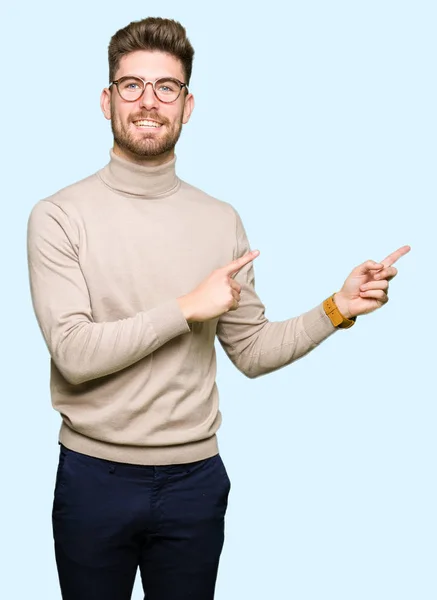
<point>133,273</point>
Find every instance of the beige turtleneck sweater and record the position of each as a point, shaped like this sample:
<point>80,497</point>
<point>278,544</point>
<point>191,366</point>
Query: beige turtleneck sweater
<point>108,257</point>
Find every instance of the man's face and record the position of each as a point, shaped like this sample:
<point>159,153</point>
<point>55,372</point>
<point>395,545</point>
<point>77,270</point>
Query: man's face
<point>142,143</point>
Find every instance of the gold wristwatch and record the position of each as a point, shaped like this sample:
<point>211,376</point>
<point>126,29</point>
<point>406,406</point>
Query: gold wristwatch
<point>337,319</point>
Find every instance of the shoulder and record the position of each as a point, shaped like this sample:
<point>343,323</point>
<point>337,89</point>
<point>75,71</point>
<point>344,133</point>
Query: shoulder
<point>76,192</point>
<point>63,206</point>
<point>67,200</point>
<point>212,205</point>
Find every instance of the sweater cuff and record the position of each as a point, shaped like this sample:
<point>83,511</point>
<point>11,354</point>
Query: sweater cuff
<point>168,321</point>
<point>317,324</point>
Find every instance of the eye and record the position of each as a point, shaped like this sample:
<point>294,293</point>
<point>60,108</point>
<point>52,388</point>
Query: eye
<point>130,84</point>
<point>167,86</point>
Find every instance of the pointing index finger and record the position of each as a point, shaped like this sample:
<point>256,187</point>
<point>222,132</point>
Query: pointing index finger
<point>233,267</point>
<point>394,256</point>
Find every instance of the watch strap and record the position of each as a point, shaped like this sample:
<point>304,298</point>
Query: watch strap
<point>337,319</point>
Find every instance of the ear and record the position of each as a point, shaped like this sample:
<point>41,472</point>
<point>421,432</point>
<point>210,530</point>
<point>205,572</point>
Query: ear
<point>188,108</point>
<point>105,103</point>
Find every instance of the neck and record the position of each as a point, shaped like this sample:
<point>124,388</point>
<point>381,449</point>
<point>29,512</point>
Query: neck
<point>147,161</point>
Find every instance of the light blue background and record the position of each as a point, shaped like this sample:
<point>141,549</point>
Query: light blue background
<point>316,120</point>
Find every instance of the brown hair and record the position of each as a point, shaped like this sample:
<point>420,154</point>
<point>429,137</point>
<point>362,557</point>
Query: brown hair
<point>153,34</point>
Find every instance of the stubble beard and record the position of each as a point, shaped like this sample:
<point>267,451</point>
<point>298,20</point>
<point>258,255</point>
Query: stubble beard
<point>145,144</point>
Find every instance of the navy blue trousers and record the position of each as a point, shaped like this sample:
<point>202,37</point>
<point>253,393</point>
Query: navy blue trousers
<point>109,519</point>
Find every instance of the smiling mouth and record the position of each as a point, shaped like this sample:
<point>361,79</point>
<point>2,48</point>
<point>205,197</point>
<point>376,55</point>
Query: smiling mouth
<point>146,123</point>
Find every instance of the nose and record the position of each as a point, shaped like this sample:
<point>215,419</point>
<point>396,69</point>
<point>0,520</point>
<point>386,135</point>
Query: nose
<point>148,100</point>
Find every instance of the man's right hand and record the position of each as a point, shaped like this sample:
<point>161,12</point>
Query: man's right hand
<point>217,294</point>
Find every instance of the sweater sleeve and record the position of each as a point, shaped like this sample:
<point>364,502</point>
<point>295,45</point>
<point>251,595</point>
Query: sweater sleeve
<point>81,348</point>
<point>255,345</point>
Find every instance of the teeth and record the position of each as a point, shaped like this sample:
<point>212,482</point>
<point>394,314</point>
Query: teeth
<point>147,124</point>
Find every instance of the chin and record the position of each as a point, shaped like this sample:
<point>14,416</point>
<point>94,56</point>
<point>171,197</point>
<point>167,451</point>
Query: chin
<point>150,149</point>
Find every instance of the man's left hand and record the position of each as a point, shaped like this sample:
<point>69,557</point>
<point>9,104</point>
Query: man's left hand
<point>366,288</point>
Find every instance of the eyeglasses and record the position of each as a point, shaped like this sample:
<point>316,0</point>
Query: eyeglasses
<point>166,89</point>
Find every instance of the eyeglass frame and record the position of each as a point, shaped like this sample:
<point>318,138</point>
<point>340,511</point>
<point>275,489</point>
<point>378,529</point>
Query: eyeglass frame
<point>181,85</point>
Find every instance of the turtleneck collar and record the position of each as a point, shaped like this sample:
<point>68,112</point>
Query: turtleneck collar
<point>128,178</point>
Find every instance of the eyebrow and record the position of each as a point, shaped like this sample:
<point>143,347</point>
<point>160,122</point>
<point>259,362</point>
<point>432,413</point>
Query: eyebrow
<point>160,77</point>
